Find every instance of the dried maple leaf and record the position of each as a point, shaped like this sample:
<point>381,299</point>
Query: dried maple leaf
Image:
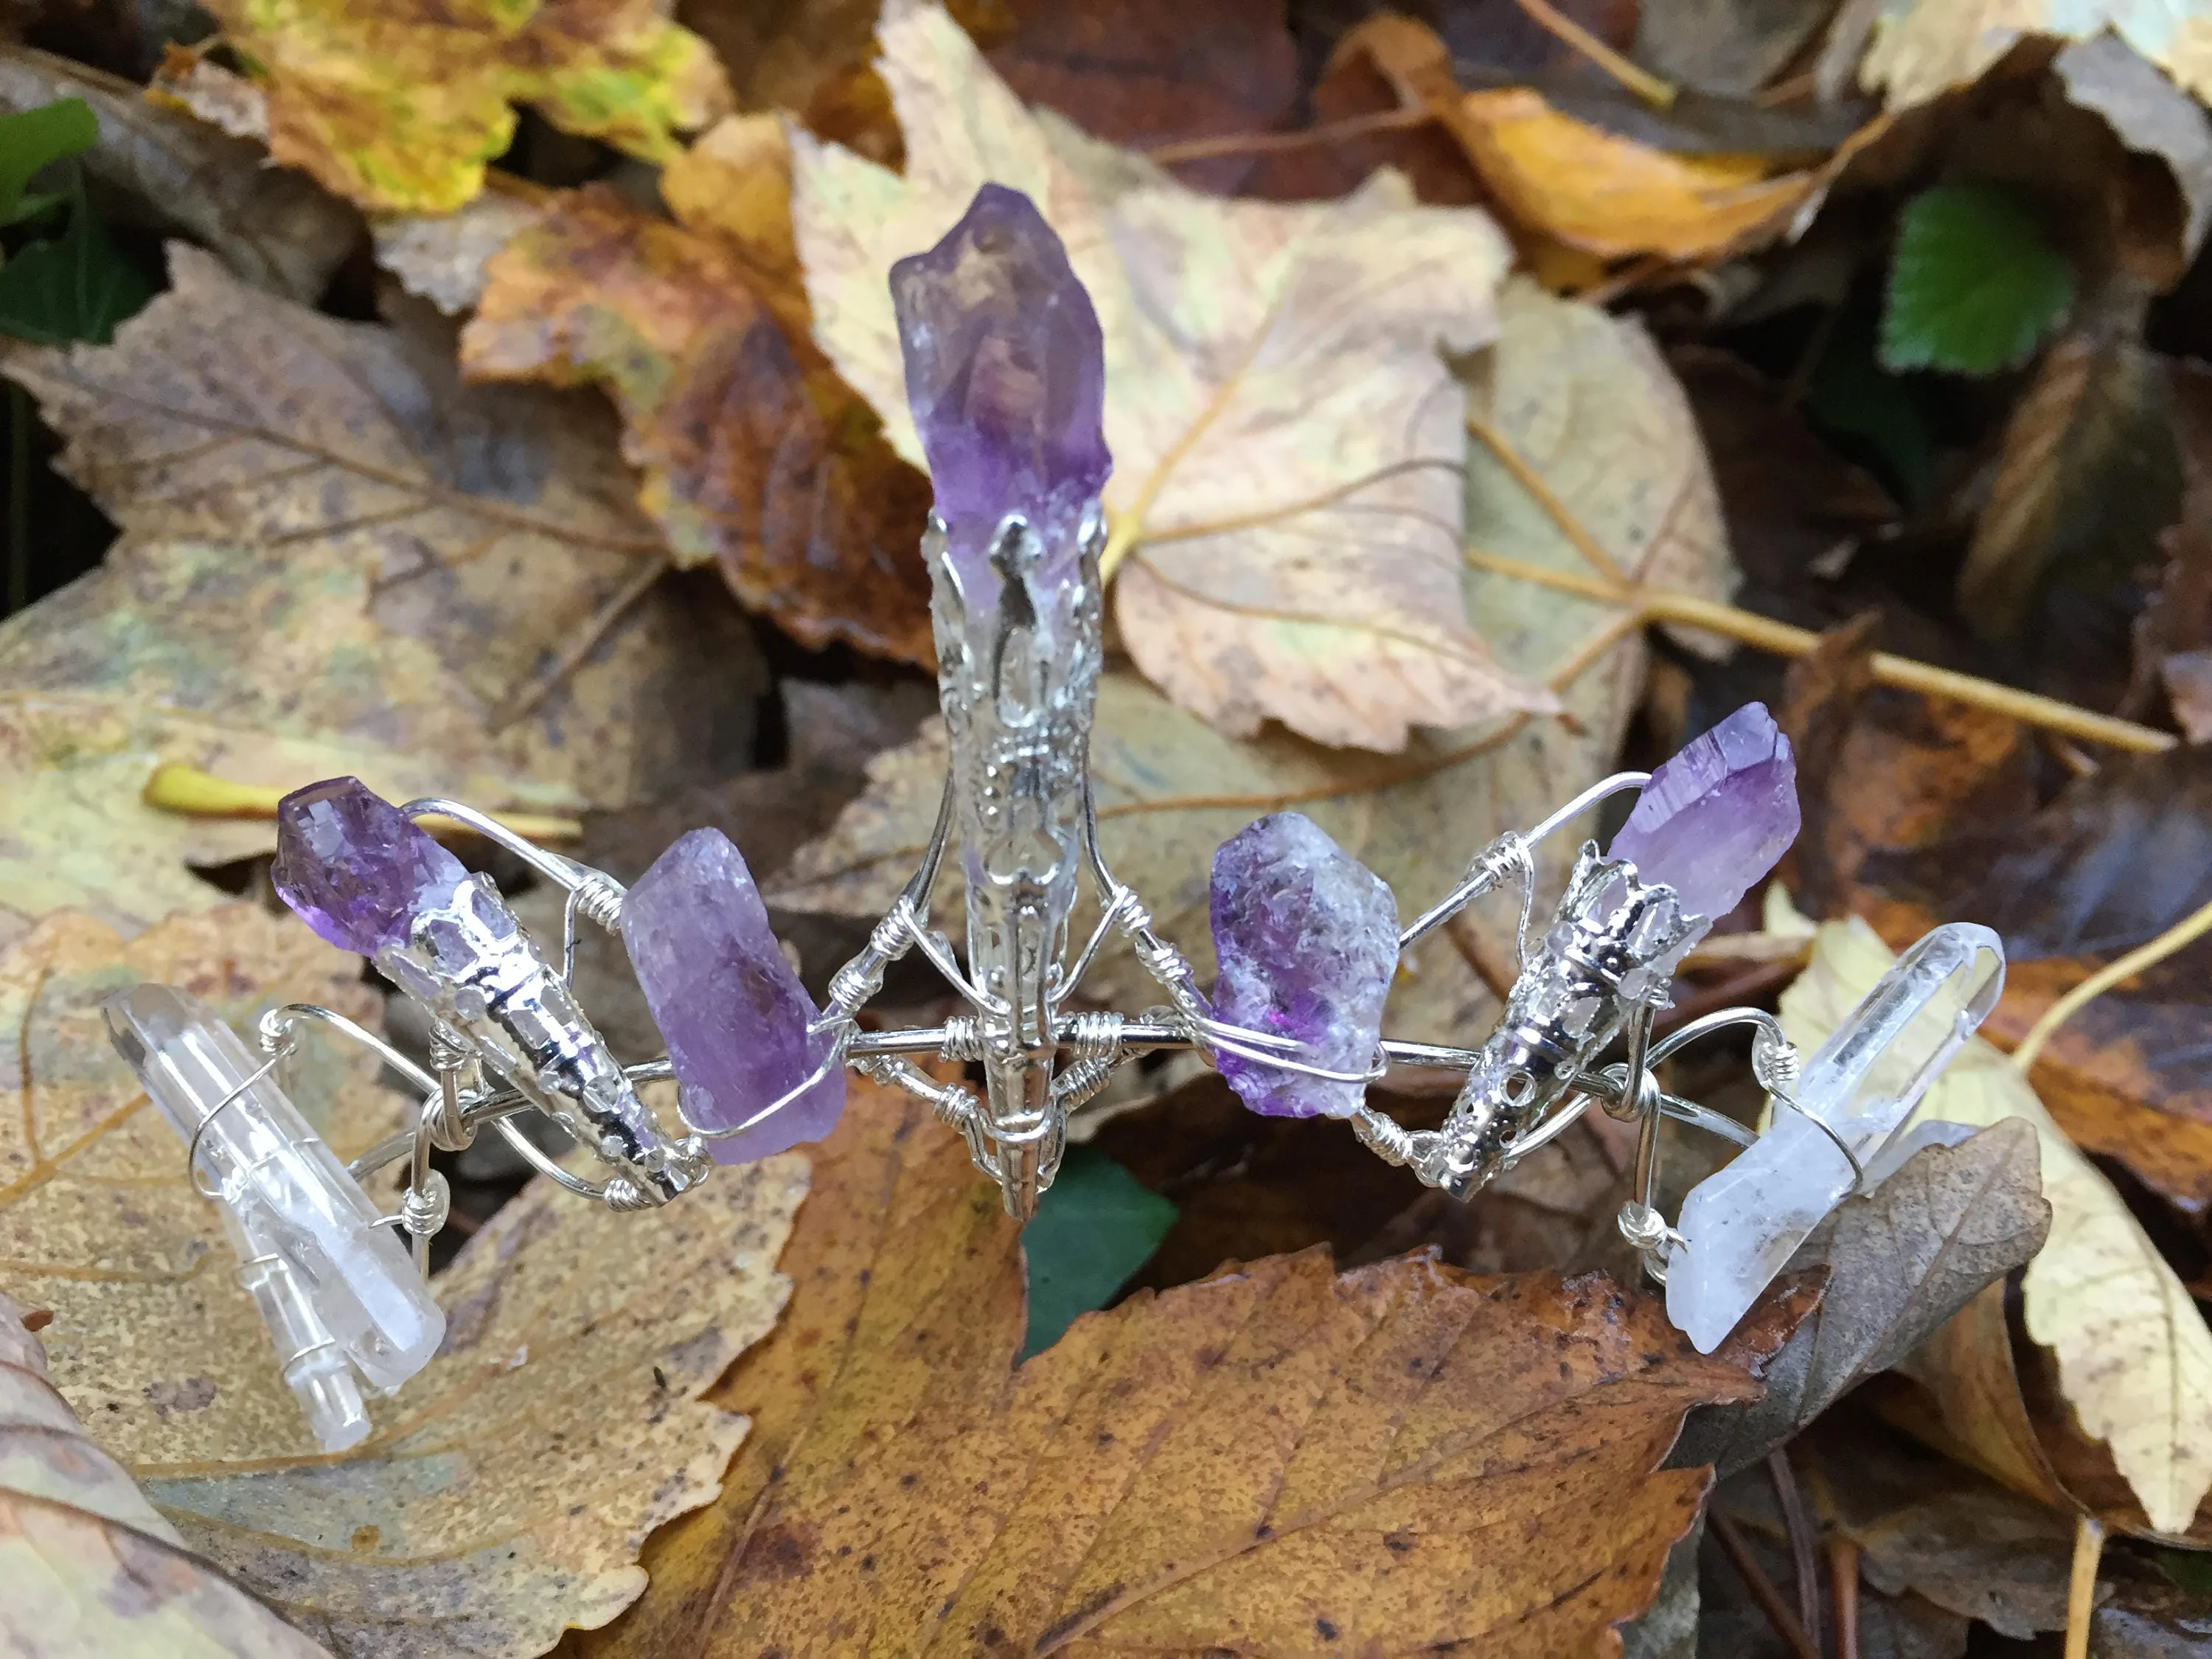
<point>93,1571</point>
<point>336,558</point>
<point>507,1489</point>
<point>754,455</point>
<point>1590,415</point>
<point>1287,440</point>
<point>1278,1459</point>
<point>399,106</point>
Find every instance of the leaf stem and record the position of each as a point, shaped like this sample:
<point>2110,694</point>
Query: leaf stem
<point>2082,1584</point>
<point>1805,1566</point>
<point>1263,143</point>
<point>1844,1583</point>
<point>1659,93</point>
<point>1762,1588</point>
<point>19,499</point>
<point>2190,927</point>
<point>1782,640</point>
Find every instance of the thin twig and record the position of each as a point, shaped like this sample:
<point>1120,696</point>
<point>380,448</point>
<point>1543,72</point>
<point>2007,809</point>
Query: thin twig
<point>1266,143</point>
<point>586,640</point>
<point>1844,1582</point>
<point>1659,93</point>
<point>1762,1588</point>
<point>1804,1563</point>
<point>1663,605</point>
<point>2190,927</point>
<point>2082,1584</point>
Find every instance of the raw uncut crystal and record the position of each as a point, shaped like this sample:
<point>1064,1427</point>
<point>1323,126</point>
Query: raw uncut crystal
<point>733,1012</point>
<point>1307,937</point>
<point>338,1273</point>
<point>1741,1224</point>
<point>1005,372</point>
<point>355,868</point>
<point>1717,815</point>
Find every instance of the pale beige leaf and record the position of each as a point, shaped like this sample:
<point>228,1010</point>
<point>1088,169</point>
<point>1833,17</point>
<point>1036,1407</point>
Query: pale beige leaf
<point>336,559</point>
<point>273,227</point>
<point>1286,436</point>
<point>507,1490</point>
<point>441,256</point>
<point>2135,1357</point>
<point>1586,400</point>
<point>1921,48</point>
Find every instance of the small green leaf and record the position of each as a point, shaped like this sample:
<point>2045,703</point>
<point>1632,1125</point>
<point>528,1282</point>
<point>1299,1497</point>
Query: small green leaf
<point>1974,285</point>
<point>33,140</point>
<point>2188,1570</point>
<point>77,286</point>
<point>1095,1228</point>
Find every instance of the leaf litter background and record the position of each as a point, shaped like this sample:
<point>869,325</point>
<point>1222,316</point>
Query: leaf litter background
<point>506,404</point>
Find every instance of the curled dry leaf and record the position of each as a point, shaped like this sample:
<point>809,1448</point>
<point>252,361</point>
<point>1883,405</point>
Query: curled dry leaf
<point>336,558</point>
<point>754,455</point>
<point>507,1489</point>
<point>93,1571</point>
<point>398,107</point>
<point>1287,442</point>
<point>1585,404</point>
<point>273,228</point>
<point>2134,1357</point>
<point>1921,48</point>
<point>1281,1458</point>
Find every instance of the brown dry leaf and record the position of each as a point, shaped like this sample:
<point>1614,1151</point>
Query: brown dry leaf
<point>1590,189</point>
<point>336,558</point>
<point>1389,1458</point>
<point>93,1571</point>
<point>398,107</point>
<point>508,1489</point>
<point>754,454</point>
<point>2152,117</point>
<point>273,228</point>
<point>2135,1357</point>
<point>1587,405</point>
<point>1287,438</point>
<point>1921,48</point>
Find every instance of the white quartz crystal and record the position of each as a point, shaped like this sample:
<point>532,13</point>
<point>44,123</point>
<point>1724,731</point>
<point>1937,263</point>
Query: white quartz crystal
<point>330,1280</point>
<point>1740,1226</point>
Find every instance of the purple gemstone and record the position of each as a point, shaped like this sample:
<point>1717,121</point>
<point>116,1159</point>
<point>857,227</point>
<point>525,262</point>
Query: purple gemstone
<point>1307,937</point>
<point>1716,817</point>
<point>355,868</point>
<point>734,1014</point>
<point>1005,372</point>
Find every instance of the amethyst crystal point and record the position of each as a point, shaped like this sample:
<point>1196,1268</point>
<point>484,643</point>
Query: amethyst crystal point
<point>355,868</point>
<point>1005,372</point>
<point>1717,816</point>
<point>734,1014</point>
<point>1307,937</point>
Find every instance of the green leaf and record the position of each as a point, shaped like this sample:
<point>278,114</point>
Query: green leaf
<point>33,140</point>
<point>1095,1228</point>
<point>78,286</point>
<point>1974,285</point>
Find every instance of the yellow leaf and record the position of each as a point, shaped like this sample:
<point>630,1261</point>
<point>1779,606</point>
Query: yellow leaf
<point>506,1490</point>
<point>400,107</point>
<point>2135,1357</point>
<point>1921,48</point>
<point>93,1571</point>
<point>1287,437</point>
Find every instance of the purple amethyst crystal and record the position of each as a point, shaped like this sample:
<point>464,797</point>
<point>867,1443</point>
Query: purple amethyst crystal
<point>1717,816</point>
<point>1307,937</point>
<point>734,1014</point>
<point>1005,372</point>
<point>355,868</point>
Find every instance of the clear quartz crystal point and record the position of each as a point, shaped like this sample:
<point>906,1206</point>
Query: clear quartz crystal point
<point>332,1281</point>
<point>1740,1226</point>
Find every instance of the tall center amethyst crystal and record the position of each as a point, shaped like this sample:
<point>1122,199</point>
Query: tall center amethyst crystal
<point>1307,937</point>
<point>355,868</point>
<point>1717,816</point>
<point>734,1014</point>
<point>1005,372</point>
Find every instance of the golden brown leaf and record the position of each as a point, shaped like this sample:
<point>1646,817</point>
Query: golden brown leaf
<point>399,106</point>
<point>1280,1458</point>
<point>508,1489</point>
<point>1286,438</point>
<point>336,559</point>
<point>754,454</point>
<point>93,1572</point>
<point>1584,403</point>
